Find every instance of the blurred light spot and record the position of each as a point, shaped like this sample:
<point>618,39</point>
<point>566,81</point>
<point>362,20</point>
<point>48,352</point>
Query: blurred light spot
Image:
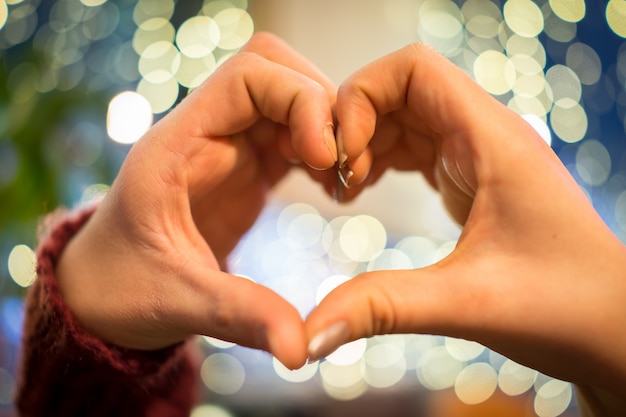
<point>349,353</point>
<point>496,359</point>
<point>437,369</point>
<point>159,62</point>
<point>384,366</point>
<point>564,84</point>
<point>620,210</point>
<point>526,65</point>
<point>523,17</point>
<point>303,374</point>
<point>332,244</point>
<point>531,47</point>
<point>463,350</point>
<point>494,72</point>
<point>553,398</point>
<point>390,259</point>
<point>194,71</point>
<point>440,25</point>
<point>218,343</point>
<point>483,18</point>
<point>397,340</point>
<point>151,31</point>
<point>362,238</point>
<point>530,86</point>
<point>569,123</point>
<point>540,127</point>
<point>7,387</point>
<point>161,96</point>
<point>93,3</point>
<point>101,24</point>
<point>340,375</point>
<point>557,28</point>
<point>148,9</point>
<point>593,162</point>
<point>20,25</point>
<point>585,62</point>
<point>198,36</point>
<point>328,285</point>
<point>476,383</point>
<point>129,116</point>
<point>22,265</point>
<point>342,382</point>
<point>569,10</point>
<point>236,27</point>
<point>515,379</point>
<point>223,373</point>
<point>305,233</point>
<point>210,410</point>
<point>289,214</point>
<point>4,13</point>
<point>444,250</point>
<point>94,192</point>
<point>616,17</point>
<point>420,250</point>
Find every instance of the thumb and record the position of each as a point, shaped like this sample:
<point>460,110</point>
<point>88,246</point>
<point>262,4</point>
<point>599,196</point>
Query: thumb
<point>429,300</point>
<point>241,311</point>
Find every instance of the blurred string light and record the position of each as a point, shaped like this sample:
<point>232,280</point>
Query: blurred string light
<point>531,57</point>
<point>507,46</point>
<point>356,244</point>
<point>171,59</point>
<point>21,265</point>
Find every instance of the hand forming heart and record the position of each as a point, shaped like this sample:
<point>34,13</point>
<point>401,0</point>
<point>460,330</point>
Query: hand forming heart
<point>523,273</point>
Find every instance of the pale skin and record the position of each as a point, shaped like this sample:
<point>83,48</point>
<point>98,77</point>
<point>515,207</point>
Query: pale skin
<point>536,274</point>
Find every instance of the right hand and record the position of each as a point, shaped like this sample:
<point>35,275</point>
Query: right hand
<point>149,268</point>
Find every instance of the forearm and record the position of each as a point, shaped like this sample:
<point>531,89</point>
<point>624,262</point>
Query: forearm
<point>67,371</point>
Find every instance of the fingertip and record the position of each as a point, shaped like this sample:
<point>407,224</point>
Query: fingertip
<point>288,344</point>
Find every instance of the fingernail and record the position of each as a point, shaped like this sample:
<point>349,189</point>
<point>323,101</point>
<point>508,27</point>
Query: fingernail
<point>345,173</point>
<point>329,140</point>
<point>341,151</point>
<point>328,340</point>
<point>339,190</point>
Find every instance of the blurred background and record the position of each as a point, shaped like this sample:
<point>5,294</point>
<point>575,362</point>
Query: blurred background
<point>81,80</point>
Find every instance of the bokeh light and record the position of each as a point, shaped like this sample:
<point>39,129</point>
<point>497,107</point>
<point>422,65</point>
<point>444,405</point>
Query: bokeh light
<point>553,398</point>
<point>223,373</point>
<point>476,383</point>
<point>515,379</point>
<point>129,117</point>
<point>21,265</point>
<point>302,374</point>
<point>142,57</point>
<point>210,410</point>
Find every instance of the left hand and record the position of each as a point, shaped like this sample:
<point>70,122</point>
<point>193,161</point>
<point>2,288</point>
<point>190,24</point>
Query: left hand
<point>536,274</point>
<point>146,271</point>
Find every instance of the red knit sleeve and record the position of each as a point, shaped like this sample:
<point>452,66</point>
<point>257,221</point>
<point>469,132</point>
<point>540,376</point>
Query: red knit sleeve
<point>68,372</point>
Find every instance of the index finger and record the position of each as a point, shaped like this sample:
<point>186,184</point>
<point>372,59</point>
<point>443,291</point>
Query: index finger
<point>439,100</point>
<point>244,90</point>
